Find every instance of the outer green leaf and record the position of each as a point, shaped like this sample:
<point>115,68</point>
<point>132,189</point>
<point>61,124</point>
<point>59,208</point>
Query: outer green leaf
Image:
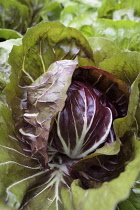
<point>5,69</point>
<point>124,65</point>
<point>138,118</point>
<point>89,3</point>
<point>66,197</point>
<point>132,203</point>
<point>37,10</point>
<point>3,205</point>
<point>9,34</point>
<point>124,124</point>
<point>125,14</point>
<point>111,192</point>
<point>80,20</point>
<point>53,11</point>
<point>84,10</point>
<point>68,14</point>
<point>108,7</point>
<point>47,194</point>
<point>103,48</point>
<point>51,42</point>
<point>14,15</point>
<point>124,33</point>
<point>77,14</point>
<point>17,169</point>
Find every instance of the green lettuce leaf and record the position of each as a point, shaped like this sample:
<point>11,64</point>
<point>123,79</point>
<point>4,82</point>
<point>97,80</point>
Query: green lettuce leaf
<point>41,10</point>
<point>126,124</point>
<point>16,167</point>
<point>74,11</point>
<point>14,15</point>
<point>22,14</point>
<point>102,48</point>
<point>132,203</point>
<point>5,68</point>
<point>3,205</point>
<point>124,33</point>
<point>52,42</point>
<point>124,65</point>
<point>53,11</point>
<point>138,118</point>
<point>108,8</point>
<point>9,34</point>
<point>81,9</point>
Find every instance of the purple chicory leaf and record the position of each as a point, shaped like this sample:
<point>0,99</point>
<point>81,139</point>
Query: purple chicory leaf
<point>83,124</point>
<point>45,98</point>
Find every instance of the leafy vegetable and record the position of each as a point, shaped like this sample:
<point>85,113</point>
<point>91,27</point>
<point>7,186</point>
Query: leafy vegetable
<point>8,34</point>
<point>38,108</point>
<point>109,8</point>
<point>13,15</point>
<point>80,128</point>
<point>49,49</point>
<point>69,125</point>
<point>124,33</point>
<point>81,9</point>
<point>103,48</point>
<point>21,14</point>
<point>78,124</point>
<point>5,69</point>
<point>45,98</point>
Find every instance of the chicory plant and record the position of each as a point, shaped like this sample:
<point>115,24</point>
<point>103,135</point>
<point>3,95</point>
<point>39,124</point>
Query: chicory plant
<point>68,125</point>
